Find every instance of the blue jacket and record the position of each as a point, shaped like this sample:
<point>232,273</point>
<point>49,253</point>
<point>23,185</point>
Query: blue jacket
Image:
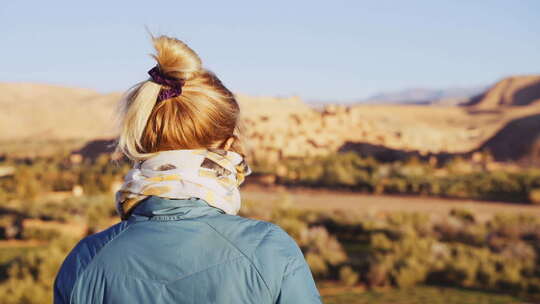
<point>185,251</point>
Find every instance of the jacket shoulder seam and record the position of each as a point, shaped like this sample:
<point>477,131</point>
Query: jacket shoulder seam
<point>92,261</point>
<point>245,255</point>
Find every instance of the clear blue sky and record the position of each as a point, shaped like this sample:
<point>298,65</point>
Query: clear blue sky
<point>319,50</point>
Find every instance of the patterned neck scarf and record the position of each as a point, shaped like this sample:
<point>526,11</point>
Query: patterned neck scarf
<point>213,175</point>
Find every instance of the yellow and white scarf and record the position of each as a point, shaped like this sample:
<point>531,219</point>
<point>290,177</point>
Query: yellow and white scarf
<point>213,175</point>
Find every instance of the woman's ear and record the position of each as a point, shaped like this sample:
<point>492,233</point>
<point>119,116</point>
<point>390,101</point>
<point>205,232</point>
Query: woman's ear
<point>228,143</point>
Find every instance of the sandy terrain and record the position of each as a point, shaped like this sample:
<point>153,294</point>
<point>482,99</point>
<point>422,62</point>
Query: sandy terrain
<point>374,204</point>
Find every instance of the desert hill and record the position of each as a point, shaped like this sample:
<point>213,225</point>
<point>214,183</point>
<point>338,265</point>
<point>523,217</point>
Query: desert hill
<point>288,127</point>
<point>511,91</point>
<point>518,140</point>
<point>47,112</point>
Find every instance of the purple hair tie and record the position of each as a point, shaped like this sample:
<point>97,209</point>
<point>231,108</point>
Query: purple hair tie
<point>174,84</point>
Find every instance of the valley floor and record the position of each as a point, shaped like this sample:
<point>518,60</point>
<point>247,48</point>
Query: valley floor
<point>322,199</point>
<point>421,295</point>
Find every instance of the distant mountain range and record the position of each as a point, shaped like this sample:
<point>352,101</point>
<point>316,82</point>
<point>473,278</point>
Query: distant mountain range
<point>426,96</point>
<point>421,96</point>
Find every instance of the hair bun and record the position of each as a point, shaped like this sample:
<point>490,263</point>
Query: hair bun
<point>175,58</point>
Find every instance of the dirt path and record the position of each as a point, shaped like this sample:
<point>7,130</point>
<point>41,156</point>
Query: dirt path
<point>335,200</point>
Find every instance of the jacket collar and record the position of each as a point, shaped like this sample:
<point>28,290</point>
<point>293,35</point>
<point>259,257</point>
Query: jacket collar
<point>158,208</point>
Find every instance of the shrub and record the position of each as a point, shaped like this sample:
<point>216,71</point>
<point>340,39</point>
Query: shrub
<point>348,276</point>
<point>534,196</point>
<point>31,276</point>
<point>10,226</point>
<point>33,233</point>
<point>457,178</point>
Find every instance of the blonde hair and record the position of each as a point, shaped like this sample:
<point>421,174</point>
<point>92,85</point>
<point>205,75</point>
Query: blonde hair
<point>205,115</point>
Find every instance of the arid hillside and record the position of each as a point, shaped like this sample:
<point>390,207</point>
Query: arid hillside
<point>46,112</point>
<point>512,91</point>
<point>283,127</point>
